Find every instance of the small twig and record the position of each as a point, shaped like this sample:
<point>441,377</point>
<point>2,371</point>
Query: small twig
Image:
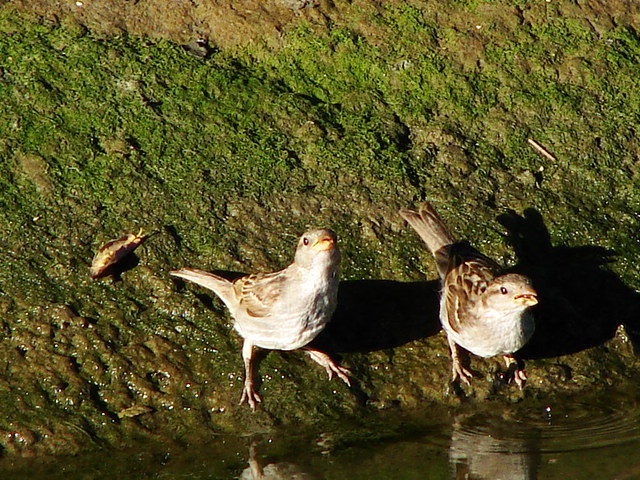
<point>540,149</point>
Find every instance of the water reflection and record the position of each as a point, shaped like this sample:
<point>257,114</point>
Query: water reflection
<point>482,450</point>
<point>259,470</point>
<point>578,441</point>
<point>530,445</point>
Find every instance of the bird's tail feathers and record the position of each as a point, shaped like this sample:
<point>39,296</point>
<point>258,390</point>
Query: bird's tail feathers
<point>220,286</point>
<point>427,223</point>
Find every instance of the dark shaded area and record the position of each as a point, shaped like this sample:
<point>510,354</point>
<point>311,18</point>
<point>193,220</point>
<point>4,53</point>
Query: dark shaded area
<point>172,231</point>
<point>378,314</point>
<point>115,270</point>
<point>581,303</point>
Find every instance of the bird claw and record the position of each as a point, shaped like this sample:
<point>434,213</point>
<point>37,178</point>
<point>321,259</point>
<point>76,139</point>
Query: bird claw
<point>250,396</point>
<point>331,367</point>
<point>338,370</point>
<point>520,378</point>
<point>516,372</point>
<point>460,373</point>
<point>459,357</point>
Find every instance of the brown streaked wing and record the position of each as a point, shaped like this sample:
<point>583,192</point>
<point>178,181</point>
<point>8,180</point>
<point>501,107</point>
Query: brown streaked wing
<point>452,306</point>
<point>258,292</point>
<point>478,272</point>
<point>469,278</point>
<point>457,304</point>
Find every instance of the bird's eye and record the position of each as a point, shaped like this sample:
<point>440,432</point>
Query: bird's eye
<point>305,241</point>
<point>503,290</point>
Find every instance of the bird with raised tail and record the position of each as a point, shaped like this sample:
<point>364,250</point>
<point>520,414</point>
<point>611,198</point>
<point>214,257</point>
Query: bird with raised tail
<point>283,310</point>
<point>482,310</point>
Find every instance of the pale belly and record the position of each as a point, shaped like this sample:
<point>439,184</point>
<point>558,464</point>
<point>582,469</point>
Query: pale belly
<point>498,337</point>
<point>290,326</point>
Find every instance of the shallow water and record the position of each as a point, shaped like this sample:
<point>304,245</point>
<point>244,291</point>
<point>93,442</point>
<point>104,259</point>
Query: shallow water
<point>556,442</point>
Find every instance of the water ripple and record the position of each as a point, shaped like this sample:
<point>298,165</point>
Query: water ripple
<point>553,430</point>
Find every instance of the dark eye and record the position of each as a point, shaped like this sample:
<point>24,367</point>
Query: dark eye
<point>503,290</point>
<point>305,241</point>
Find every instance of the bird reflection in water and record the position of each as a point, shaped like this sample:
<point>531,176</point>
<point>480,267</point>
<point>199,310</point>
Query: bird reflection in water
<point>272,471</point>
<point>500,450</point>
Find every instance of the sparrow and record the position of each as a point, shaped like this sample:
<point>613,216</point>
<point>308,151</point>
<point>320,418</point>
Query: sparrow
<point>282,310</point>
<point>483,310</point>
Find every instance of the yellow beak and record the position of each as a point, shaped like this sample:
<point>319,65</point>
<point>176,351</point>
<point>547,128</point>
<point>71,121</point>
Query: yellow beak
<point>323,243</point>
<point>528,299</point>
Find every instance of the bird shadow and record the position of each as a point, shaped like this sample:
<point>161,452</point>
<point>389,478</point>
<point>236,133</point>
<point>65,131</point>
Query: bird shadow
<point>376,315</point>
<point>117,269</point>
<point>581,302</point>
<point>379,314</point>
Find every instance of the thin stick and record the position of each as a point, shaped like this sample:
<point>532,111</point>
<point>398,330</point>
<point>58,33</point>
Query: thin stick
<point>540,149</point>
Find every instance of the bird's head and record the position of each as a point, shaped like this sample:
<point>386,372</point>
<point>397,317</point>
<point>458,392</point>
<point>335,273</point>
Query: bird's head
<point>317,245</point>
<point>511,292</point>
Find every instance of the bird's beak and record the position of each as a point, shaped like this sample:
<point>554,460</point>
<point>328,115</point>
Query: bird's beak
<point>528,299</point>
<point>325,242</point>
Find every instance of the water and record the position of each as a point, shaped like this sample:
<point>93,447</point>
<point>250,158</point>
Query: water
<point>582,441</point>
<point>578,441</point>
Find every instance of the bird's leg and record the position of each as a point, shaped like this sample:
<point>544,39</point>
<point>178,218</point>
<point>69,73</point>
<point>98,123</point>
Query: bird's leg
<point>458,370</point>
<point>331,367</point>
<point>254,465</point>
<point>249,395</point>
<point>515,370</point>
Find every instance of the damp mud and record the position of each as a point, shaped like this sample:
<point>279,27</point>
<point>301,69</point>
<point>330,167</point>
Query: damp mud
<point>225,132</point>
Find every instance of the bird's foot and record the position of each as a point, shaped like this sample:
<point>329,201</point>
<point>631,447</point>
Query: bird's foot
<point>460,373</point>
<point>250,396</point>
<point>520,377</point>
<point>331,367</point>
<point>515,371</point>
<point>459,363</point>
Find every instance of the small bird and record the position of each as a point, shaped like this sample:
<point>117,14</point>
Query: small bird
<point>282,310</point>
<point>482,310</point>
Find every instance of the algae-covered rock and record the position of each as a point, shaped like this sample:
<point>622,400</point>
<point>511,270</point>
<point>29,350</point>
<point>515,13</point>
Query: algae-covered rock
<point>332,115</point>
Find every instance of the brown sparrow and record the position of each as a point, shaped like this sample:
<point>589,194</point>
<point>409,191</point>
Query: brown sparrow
<point>481,309</point>
<point>282,310</point>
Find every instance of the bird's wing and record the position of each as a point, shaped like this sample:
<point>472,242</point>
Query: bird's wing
<point>463,287</point>
<point>258,292</point>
